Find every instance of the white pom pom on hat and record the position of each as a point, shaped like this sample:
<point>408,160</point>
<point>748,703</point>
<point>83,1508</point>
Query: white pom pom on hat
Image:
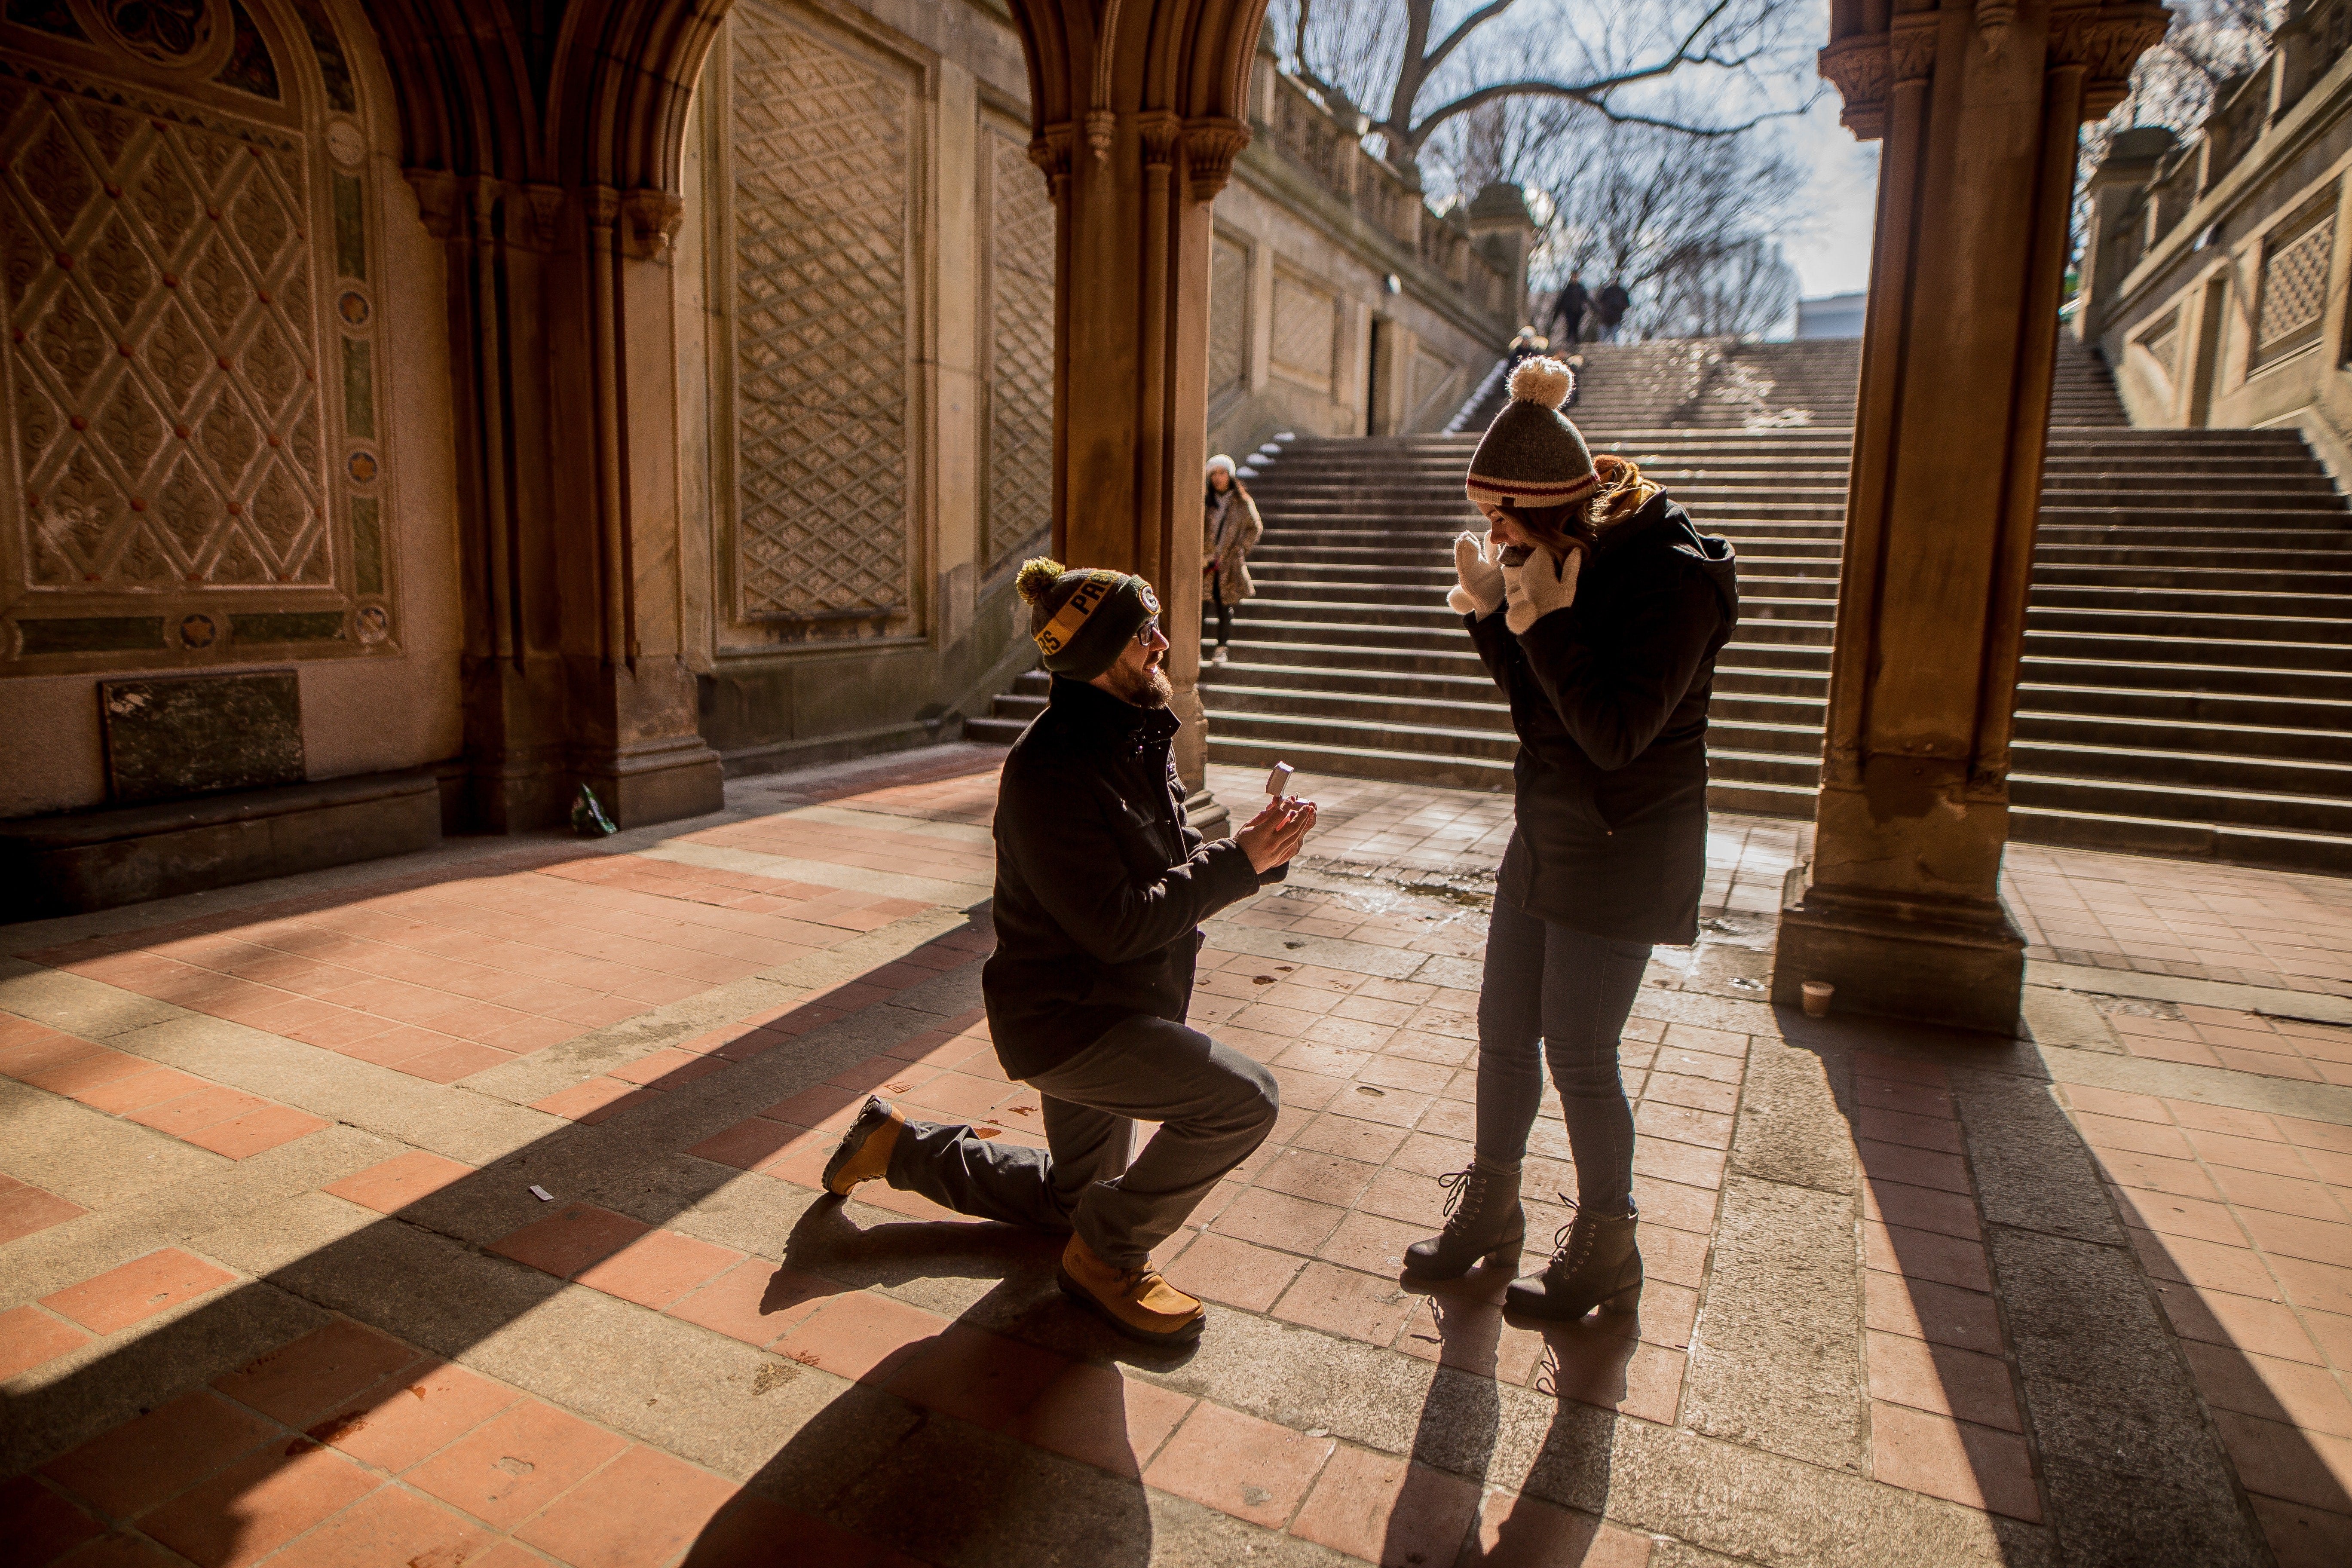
<point>1532,454</point>
<point>1542,380</point>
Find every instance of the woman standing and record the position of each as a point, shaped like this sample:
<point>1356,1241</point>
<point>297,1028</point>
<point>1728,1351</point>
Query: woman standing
<point>1232,531</point>
<point>1612,610</point>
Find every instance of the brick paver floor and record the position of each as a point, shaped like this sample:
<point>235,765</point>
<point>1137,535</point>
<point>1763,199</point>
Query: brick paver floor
<point>462,1209</point>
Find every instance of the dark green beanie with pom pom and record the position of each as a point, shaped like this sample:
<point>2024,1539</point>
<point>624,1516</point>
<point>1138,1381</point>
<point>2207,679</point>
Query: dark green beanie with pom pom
<point>1080,618</point>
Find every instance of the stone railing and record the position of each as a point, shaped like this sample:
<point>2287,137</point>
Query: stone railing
<point>1328,147</point>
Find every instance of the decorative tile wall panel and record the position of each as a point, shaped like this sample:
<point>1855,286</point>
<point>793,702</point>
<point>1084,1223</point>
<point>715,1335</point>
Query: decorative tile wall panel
<point>2295,289</point>
<point>1306,331</point>
<point>821,160</point>
<point>1020,353</point>
<point>1229,262</point>
<point>2163,345</point>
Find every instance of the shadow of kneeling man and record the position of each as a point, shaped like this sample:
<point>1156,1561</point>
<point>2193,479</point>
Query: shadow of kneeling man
<point>1005,1433</point>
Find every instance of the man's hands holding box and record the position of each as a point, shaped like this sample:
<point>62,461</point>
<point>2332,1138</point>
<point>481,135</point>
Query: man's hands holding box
<point>1272,837</point>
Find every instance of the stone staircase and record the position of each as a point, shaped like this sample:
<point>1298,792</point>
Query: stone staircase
<point>2187,686</point>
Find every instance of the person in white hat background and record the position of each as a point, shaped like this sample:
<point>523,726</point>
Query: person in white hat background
<point>1231,531</point>
<point>1599,610</point>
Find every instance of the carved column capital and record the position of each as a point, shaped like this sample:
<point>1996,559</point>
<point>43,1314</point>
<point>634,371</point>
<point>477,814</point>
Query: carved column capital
<point>1163,133</point>
<point>1861,70</point>
<point>439,202</point>
<point>1211,145</point>
<point>601,204</point>
<point>1102,129</point>
<point>1051,151</point>
<point>650,222</point>
<point>537,219</point>
<point>2103,42</point>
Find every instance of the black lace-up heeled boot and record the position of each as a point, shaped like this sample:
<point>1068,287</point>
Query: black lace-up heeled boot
<point>1483,1222</point>
<point>1597,1265</point>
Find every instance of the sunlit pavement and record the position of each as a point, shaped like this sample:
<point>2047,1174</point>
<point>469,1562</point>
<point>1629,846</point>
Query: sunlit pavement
<point>463,1208</point>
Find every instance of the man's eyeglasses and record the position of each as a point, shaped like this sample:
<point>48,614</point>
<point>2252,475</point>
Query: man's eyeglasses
<point>1148,630</point>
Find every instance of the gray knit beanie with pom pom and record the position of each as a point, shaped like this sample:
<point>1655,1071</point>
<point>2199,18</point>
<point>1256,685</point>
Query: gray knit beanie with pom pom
<point>1531,454</point>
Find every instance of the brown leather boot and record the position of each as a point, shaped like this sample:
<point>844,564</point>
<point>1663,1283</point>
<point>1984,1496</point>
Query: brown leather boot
<point>1484,1224</point>
<point>1138,1302</point>
<point>1597,1266</point>
<point>865,1152</point>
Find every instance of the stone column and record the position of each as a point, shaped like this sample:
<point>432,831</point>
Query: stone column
<point>557,214</point>
<point>1980,108</point>
<point>1137,126</point>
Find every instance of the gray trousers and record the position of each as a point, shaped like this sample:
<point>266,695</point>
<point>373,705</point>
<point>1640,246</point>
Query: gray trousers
<point>1214,1107</point>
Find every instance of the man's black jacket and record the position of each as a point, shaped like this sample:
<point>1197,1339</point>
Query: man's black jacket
<point>1101,884</point>
<point>1609,697</point>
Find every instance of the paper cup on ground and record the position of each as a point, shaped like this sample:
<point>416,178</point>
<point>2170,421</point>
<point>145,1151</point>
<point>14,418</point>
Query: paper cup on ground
<point>1817,998</point>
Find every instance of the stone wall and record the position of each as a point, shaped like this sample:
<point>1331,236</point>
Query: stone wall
<point>866,292</point>
<point>216,462</point>
<point>1341,303</point>
<point>2216,269</point>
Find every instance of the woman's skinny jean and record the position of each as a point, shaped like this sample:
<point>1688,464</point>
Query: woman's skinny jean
<point>1553,992</point>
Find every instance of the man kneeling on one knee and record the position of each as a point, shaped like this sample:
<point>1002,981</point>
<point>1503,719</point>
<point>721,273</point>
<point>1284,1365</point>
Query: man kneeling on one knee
<point>1101,887</point>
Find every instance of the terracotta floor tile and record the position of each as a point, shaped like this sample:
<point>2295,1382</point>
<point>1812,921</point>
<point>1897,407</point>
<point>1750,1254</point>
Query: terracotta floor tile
<point>571,1239</point>
<point>1277,1220</point>
<point>744,1533</point>
<point>122,1297</point>
<point>149,1087</point>
<point>257,1504</point>
<point>2304,1537</point>
<point>24,1209</point>
<point>42,1525</point>
<point>390,1525</point>
<point>82,1074</point>
<point>591,1100</point>
<point>1094,1415</point>
<point>1966,1463</point>
<point>299,1382</point>
<point>256,1131</point>
<point>1924,1254</point>
<point>2299,1235</point>
<point>2298,1394</point>
<point>755,1301</point>
<point>668,1068</point>
<point>1234,1273</point>
<point>29,1336</point>
<point>39,1050</point>
<point>861,1334</point>
<point>1370,1243</point>
<point>976,1377</point>
<point>130,1469</point>
<point>451,1062</point>
<point>1921,1208</point>
<point>402,1420</point>
<point>1683,1125</point>
<point>205,1108</point>
<point>1250,1468</point>
<point>1388,1510</point>
<point>1343,1301</point>
<point>1321,1178</point>
<point>642,1507</point>
<point>516,1463</point>
<point>811,1107</point>
<point>1668,1204</point>
<point>658,1268</point>
<point>1927,1311</point>
<point>1522,1532</point>
<point>1943,1380</point>
<point>1462,1326</point>
<point>400,1180</point>
<point>2216,1317</point>
<point>1913,1165</point>
<point>2274,1460</point>
<point>750,1144</point>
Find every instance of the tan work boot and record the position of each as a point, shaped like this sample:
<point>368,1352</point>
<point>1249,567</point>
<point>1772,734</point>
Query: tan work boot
<point>865,1152</point>
<point>1138,1302</point>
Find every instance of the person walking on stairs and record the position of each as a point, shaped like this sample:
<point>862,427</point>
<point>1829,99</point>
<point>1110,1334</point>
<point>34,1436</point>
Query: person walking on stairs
<point>1599,610</point>
<point>1569,310</point>
<point>1232,527</point>
<point>1101,887</point>
<point>1609,308</point>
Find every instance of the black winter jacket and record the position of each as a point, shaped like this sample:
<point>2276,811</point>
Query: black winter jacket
<point>1609,697</point>
<point>1101,883</point>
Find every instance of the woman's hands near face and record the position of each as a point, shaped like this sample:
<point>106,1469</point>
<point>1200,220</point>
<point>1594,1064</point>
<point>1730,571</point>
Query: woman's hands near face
<point>1543,584</point>
<point>1272,837</point>
<point>1478,587</point>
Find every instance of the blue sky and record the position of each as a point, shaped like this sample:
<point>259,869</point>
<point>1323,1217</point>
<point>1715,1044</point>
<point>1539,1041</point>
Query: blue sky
<point>1832,251</point>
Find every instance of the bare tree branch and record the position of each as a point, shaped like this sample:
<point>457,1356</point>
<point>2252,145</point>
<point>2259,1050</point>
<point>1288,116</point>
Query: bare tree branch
<point>1453,40</point>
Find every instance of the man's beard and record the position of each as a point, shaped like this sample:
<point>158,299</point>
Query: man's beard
<point>1147,688</point>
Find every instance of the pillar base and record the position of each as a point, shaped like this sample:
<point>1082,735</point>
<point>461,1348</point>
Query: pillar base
<point>660,781</point>
<point>1963,968</point>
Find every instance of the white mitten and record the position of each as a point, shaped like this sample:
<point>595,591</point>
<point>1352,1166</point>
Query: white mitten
<point>1480,590</point>
<point>1544,584</point>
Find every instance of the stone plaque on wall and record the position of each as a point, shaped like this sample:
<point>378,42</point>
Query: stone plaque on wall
<point>173,736</point>
<point>1306,331</point>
